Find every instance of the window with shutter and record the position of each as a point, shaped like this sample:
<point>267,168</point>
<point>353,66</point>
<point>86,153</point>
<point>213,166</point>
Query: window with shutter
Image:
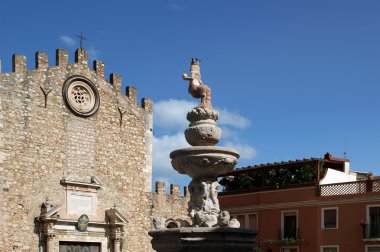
<point>329,218</point>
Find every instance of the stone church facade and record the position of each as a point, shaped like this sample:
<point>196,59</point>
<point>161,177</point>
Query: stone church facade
<point>76,160</point>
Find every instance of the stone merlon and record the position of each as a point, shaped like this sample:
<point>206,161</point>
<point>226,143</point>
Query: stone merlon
<point>81,56</point>
<point>115,80</point>
<point>19,66</point>
<point>174,189</point>
<point>62,57</point>
<point>42,61</point>
<point>19,63</point>
<point>99,67</point>
<point>132,94</point>
<point>147,104</point>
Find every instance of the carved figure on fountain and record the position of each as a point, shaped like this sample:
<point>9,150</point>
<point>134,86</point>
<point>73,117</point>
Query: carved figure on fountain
<point>204,204</point>
<point>196,87</point>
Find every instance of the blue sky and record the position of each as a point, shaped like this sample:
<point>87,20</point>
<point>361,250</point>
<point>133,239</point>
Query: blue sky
<point>291,79</point>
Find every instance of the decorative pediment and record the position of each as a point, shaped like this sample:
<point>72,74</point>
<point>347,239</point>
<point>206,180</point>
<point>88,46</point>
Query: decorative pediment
<point>115,217</point>
<point>53,212</point>
<point>81,215</point>
<point>94,183</point>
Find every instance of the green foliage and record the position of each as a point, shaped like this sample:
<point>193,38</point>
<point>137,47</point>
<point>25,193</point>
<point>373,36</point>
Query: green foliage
<point>244,181</point>
<point>322,169</point>
<point>275,177</point>
<point>258,248</point>
<point>284,241</point>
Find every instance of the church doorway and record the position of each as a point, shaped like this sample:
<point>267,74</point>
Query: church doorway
<point>79,247</point>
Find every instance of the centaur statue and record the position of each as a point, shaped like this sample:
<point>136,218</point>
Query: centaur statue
<point>196,87</point>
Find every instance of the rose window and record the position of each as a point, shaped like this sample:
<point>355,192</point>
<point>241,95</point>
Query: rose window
<point>81,96</point>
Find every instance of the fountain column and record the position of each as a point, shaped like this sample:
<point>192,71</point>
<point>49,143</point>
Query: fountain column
<point>204,162</point>
<point>212,229</point>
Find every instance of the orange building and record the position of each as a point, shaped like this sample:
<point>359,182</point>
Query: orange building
<point>309,205</point>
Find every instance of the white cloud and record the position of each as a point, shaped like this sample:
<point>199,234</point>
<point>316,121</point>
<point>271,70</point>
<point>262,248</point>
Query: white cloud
<point>228,133</point>
<point>174,6</point>
<point>68,41</point>
<point>171,114</point>
<point>93,53</point>
<point>232,119</point>
<point>162,146</point>
<point>246,151</point>
<point>162,167</point>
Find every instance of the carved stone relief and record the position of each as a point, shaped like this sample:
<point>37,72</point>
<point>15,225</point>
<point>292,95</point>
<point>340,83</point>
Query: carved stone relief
<point>59,225</point>
<point>81,96</point>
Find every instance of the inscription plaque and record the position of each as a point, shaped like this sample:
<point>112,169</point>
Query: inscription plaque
<point>79,204</point>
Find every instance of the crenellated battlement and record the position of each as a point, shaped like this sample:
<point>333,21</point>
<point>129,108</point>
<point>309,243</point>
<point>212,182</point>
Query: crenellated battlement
<point>19,67</point>
<point>160,189</point>
<point>62,118</point>
<point>169,205</point>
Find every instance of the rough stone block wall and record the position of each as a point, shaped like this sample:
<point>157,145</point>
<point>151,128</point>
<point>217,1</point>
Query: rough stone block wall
<point>172,205</point>
<point>42,141</point>
<point>148,106</point>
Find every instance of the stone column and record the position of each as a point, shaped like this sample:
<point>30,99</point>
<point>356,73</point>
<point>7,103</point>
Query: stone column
<point>117,242</point>
<point>50,242</point>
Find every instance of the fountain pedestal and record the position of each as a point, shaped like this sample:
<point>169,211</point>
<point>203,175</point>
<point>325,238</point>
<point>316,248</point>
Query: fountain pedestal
<point>212,229</point>
<point>203,239</point>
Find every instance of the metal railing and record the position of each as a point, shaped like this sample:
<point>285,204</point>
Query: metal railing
<point>371,231</point>
<point>289,233</point>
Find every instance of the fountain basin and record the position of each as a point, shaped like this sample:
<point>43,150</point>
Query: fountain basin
<point>203,239</point>
<point>204,161</point>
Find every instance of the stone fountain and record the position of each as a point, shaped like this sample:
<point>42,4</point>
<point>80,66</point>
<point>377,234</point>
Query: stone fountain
<point>212,229</point>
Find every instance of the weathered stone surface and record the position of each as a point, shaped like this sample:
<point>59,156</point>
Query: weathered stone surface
<point>204,161</point>
<point>196,87</point>
<point>204,204</point>
<point>40,145</point>
<point>202,130</point>
<point>203,240</point>
<point>199,113</point>
<point>203,133</point>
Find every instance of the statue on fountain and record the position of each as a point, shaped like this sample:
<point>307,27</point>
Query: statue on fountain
<point>204,205</point>
<point>204,162</point>
<point>212,229</point>
<point>196,87</point>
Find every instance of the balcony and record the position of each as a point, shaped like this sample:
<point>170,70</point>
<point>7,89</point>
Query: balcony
<point>349,188</point>
<point>371,232</point>
<point>289,233</point>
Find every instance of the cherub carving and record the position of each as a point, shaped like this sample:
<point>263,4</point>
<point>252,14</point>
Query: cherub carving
<point>203,204</point>
<point>196,87</point>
